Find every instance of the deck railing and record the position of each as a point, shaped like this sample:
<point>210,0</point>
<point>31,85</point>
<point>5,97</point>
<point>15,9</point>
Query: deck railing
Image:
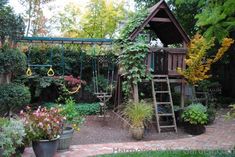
<point>166,60</point>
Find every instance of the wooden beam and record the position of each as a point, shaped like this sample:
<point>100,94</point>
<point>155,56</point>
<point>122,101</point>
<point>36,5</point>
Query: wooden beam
<point>160,19</point>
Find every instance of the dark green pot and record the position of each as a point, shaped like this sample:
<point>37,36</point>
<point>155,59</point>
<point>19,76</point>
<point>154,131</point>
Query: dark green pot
<point>45,148</point>
<point>65,138</point>
<point>194,129</point>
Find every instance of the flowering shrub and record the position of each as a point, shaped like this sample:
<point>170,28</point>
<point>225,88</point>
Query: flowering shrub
<point>43,123</point>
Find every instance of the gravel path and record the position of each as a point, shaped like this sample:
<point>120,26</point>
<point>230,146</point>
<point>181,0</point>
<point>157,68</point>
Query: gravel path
<point>95,130</point>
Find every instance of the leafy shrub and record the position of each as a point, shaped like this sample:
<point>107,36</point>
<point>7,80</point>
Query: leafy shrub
<point>13,97</point>
<point>82,108</point>
<point>195,114</point>
<point>88,108</point>
<point>69,111</point>
<point>12,61</point>
<point>12,133</point>
<point>137,113</point>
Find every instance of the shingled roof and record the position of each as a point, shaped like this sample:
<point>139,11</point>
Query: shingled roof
<point>164,24</point>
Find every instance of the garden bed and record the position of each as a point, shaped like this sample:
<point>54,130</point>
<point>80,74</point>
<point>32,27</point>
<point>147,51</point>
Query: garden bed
<point>96,130</point>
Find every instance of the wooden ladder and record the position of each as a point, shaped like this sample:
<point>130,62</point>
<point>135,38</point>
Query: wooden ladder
<point>163,79</point>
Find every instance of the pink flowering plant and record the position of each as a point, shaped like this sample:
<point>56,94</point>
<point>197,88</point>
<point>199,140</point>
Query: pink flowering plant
<point>42,124</point>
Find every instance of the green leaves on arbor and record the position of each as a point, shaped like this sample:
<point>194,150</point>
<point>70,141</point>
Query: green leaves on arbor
<point>132,61</point>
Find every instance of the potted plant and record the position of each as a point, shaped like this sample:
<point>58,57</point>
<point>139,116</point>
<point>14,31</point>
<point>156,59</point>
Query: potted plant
<point>12,133</point>
<point>138,113</point>
<point>195,117</point>
<point>43,127</point>
<point>72,121</point>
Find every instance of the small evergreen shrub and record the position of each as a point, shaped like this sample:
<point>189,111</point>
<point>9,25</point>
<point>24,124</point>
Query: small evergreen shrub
<point>13,97</point>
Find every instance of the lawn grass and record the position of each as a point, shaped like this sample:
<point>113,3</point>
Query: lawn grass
<point>189,153</point>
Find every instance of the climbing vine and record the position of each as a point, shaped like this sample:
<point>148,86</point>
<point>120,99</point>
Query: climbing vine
<point>134,67</point>
<point>198,63</point>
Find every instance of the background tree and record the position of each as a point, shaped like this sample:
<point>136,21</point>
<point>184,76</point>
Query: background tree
<point>215,18</point>
<point>69,20</point>
<point>3,3</point>
<point>185,12</point>
<point>11,24</point>
<point>100,19</point>
<point>34,15</point>
<point>140,4</point>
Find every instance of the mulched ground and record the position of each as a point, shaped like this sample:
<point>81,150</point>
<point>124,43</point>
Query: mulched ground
<point>96,130</point>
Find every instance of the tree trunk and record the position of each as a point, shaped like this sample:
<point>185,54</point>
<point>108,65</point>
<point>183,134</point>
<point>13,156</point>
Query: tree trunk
<point>29,20</point>
<point>135,93</point>
<point>5,78</point>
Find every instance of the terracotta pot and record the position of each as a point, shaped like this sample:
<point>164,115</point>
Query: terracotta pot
<point>137,132</point>
<point>45,148</point>
<point>194,129</point>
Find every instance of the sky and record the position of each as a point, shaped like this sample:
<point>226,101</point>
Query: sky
<point>58,5</point>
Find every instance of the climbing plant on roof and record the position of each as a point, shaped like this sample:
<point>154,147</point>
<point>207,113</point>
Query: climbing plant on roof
<point>134,22</point>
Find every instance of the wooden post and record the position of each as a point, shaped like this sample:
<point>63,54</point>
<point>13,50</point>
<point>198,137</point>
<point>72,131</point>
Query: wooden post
<point>182,93</point>
<point>135,93</point>
<point>183,81</point>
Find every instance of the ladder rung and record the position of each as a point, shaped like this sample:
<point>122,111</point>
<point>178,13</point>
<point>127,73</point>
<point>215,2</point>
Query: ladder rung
<point>161,92</point>
<point>160,80</point>
<point>168,126</point>
<point>165,114</point>
<point>163,103</point>
<point>160,76</point>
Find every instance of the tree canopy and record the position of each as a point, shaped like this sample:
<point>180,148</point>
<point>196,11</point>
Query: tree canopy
<point>100,19</point>
<point>11,24</point>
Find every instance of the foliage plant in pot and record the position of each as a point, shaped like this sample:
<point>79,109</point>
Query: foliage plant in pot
<point>43,127</point>
<point>72,121</point>
<point>12,133</point>
<point>138,113</point>
<point>195,117</point>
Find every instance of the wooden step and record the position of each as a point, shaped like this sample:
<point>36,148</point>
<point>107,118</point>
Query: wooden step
<point>165,114</point>
<point>163,103</point>
<point>167,126</point>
